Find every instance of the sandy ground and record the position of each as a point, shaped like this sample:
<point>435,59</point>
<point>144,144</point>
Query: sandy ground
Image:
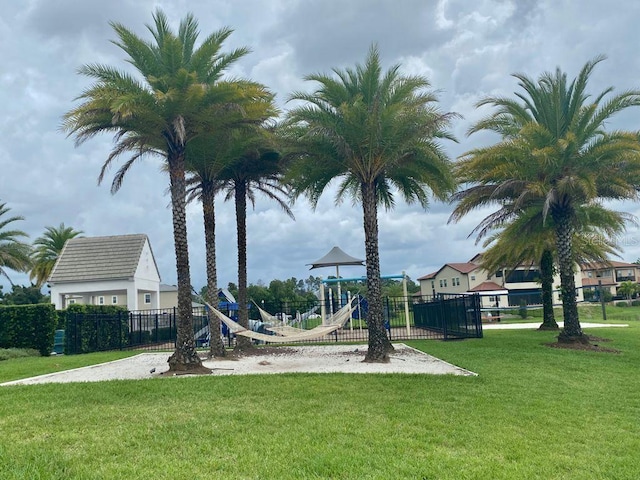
<point>311,359</point>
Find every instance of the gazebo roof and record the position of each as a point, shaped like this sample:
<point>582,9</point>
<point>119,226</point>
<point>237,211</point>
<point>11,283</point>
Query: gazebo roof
<point>335,257</point>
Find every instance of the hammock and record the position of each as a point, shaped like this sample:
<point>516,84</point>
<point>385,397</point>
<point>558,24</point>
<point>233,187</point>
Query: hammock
<point>280,327</point>
<point>337,322</point>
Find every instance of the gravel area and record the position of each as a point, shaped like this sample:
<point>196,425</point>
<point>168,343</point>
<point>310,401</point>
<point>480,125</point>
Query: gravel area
<point>311,359</point>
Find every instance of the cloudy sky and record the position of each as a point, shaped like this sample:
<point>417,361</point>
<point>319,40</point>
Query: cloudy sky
<point>467,49</point>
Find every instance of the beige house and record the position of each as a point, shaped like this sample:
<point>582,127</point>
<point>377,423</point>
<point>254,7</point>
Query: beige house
<point>114,270</point>
<point>505,287</point>
<point>609,275</point>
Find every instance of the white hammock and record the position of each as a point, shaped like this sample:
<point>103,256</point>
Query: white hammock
<point>285,336</point>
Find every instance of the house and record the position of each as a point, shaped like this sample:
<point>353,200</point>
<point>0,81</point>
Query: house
<point>114,270</point>
<point>505,287</point>
<point>169,297</point>
<point>608,275</point>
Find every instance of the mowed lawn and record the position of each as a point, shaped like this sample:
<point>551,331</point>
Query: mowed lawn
<point>533,412</point>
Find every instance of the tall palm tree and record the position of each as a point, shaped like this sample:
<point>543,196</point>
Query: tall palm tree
<point>180,95</point>
<point>207,156</point>
<point>14,254</point>
<point>556,152</point>
<point>47,248</point>
<point>255,167</point>
<point>377,132</point>
<point>528,241</point>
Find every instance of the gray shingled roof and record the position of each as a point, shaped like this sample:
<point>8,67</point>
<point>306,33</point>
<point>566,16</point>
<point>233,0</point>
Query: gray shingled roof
<point>99,258</point>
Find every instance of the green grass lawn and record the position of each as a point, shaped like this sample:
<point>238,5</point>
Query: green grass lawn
<point>532,413</point>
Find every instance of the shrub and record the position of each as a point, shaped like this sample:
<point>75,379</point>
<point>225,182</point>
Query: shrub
<point>28,326</point>
<point>522,310</point>
<point>635,303</point>
<point>622,304</point>
<point>93,328</point>
<point>9,353</point>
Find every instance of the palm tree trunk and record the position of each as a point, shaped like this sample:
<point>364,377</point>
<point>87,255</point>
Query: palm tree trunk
<point>241,227</point>
<point>546,272</point>
<point>572,332</point>
<point>216,347</point>
<point>185,356</point>
<point>379,344</point>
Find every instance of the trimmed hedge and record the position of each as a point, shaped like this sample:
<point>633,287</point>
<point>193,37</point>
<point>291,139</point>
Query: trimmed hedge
<point>28,326</point>
<point>94,328</point>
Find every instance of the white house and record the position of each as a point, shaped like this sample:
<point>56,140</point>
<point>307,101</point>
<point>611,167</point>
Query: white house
<point>115,270</point>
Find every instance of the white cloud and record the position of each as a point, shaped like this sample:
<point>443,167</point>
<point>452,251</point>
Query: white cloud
<point>466,49</point>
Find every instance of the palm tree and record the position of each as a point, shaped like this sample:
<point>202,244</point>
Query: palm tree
<point>255,166</point>
<point>628,289</point>
<point>554,152</point>
<point>377,132</point>
<point>180,95</point>
<point>14,254</point>
<point>528,240</point>
<point>206,157</point>
<point>47,249</point>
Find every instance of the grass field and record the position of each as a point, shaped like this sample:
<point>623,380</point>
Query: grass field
<point>533,412</point>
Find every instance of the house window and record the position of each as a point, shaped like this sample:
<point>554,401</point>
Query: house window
<point>147,298</point>
<point>100,300</point>
<point>445,282</point>
<point>493,298</point>
<point>441,284</point>
<point>455,281</point>
<point>71,301</point>
<point>499,274</point>
<point>473,277</point>
<point>114,299</point>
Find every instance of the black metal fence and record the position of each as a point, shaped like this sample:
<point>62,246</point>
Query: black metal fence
<point>454,316</point>
<point>440,318</point>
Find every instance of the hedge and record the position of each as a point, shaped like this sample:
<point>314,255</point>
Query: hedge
<point>28,326</point>
<point>93,328</point>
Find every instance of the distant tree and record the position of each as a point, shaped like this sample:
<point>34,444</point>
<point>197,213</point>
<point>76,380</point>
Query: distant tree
<point>628,289</point>
<point>21,295</point>
<point>14,254</point>
<point>378,132</point>
<point>47,248</point>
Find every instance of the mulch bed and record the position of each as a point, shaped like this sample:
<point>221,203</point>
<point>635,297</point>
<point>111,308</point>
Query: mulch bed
<point>594,346</point>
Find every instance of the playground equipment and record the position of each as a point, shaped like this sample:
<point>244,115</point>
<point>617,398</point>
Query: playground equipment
<point>402,276</point>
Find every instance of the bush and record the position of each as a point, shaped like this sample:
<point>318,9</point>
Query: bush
<point>9,353</point>
<point>622,304</point>
<point>635,303</point>
<point>28,326</point>
<point>522,310</point>
<point>94,328</point>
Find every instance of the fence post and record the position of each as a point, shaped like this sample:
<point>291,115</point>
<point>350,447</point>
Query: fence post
<point>406,303</point>
<point>443,319</point>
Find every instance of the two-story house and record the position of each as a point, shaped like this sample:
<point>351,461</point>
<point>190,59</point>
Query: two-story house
<point>505,287</point>
<point>608,275</point>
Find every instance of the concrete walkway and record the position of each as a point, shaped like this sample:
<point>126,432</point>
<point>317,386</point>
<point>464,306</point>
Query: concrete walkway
<point>516,326</point>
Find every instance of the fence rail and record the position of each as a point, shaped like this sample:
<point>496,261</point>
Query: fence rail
<point>437,318</point>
